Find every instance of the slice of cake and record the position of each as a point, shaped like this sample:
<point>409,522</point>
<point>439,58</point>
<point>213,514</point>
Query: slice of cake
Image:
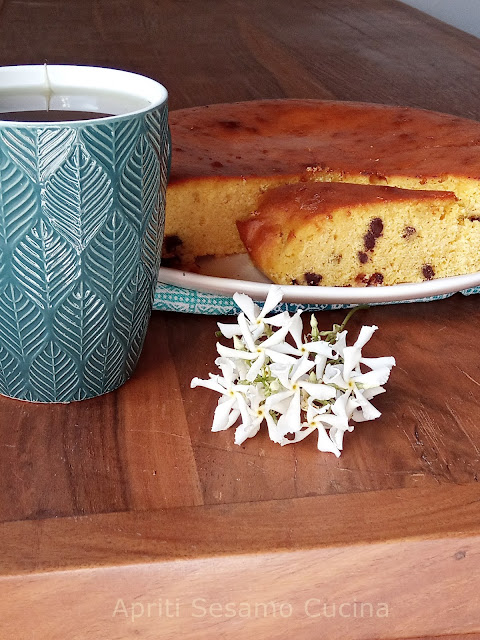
<point>339,234</point>
<point>225,156</point>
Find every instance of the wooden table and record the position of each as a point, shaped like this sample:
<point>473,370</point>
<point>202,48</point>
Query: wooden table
<point>124,516</point>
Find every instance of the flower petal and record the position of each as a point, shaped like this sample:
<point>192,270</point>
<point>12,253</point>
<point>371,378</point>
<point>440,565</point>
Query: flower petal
<point>208,384</point>
<point>278,336</point>
<point>296,328</point>
<point>325,444</point>
<point>314,411</point>
<point>274,297</point>
<point>374,378</point>
<point>376,363</point>
<point>340,343</point>
<point>278,320</point>
<point>371,393</point>
<point>351,360</point>
<point>289,422</point>
<point>247,336</point>
<point>320,362</point>
<point>274,400</point>
<point>242,406</point>
<point>318,391</point>
<point>336,436</point>
<point>227,352</point>
<point>339,407</point>
<point>229,330</point>
<point>221,417</point>
<point>279,357</point>
<point>227,368</point>
<point>285,347</point>
<point>334,375</point>
<point>281,371</point>
<point>256,367</point>
<point>368,410</point>
<point>320,347</point>
<point>299,435</point>
<point>364,336</point>
<point>303,366</point>
<point>352,355</point>
<point>242,432</point>
<point>247,305</point>
<point>273,430</point>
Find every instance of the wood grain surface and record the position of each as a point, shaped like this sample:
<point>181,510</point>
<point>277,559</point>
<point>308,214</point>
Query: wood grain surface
<point>130,496</point>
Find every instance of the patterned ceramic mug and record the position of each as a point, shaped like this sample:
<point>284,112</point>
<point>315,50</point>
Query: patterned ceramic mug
<point>81,224</point>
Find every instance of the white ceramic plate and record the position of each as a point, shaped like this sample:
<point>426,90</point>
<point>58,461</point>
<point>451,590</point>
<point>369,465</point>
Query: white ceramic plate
<point>225,276</point>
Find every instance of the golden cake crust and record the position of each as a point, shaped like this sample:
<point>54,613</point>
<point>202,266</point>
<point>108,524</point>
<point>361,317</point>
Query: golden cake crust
<point>272,137</point>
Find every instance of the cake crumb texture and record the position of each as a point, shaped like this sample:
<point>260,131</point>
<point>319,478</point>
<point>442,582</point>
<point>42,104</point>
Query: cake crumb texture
<point>339,234</point>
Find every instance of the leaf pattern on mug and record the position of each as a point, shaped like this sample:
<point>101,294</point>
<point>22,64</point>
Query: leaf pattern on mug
<point>136,344</point>
<point>111,257</point>
<point>53,374</point>
<point>139,187</point>
<point>156,123</point>
<point>78,197</point>
<point>111,144</point>
<point>45,265</point>
<point>103,368</point>
<point>133,305</point>
<point>38,151</point>
<point>2,268</point>
<point>22,327</point>
<point>19,204</point>
<point>151,243</point>
<point>12,380</point>
<point>81,321</point>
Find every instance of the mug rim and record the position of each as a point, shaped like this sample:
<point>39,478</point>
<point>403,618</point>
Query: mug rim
<point>152,91</point>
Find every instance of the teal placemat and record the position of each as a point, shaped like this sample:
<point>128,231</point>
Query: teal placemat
<point>171,298</point>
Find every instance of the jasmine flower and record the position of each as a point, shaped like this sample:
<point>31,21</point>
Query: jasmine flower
<point>293,383</point>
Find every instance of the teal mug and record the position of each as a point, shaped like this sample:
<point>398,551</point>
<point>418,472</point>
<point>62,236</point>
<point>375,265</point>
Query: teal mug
<point>84,157</point>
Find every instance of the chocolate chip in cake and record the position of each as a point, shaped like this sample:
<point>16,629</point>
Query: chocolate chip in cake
<point>408,231</point>
<point>216,164</point>
<point>361,278</point>
<point>362,257</point>
<point>376,227</point>
<point>375,280</point>
<point>369,241</point>
<point>312,279</point>
<point>474,218</point>
<point>375,230</point>
<point>171,244</point>
<point>294,281</point>
<point>428,272</point>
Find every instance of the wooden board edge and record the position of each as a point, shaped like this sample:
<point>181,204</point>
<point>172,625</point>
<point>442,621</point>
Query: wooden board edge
<point>235,529</point>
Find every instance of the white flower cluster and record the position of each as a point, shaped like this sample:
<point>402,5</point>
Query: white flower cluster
<point>296,386</point>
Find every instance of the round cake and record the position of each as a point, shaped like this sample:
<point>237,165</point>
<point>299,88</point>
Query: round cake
<point>225,156</point>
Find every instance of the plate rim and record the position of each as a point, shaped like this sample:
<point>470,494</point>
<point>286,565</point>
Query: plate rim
<point>301,294</point>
